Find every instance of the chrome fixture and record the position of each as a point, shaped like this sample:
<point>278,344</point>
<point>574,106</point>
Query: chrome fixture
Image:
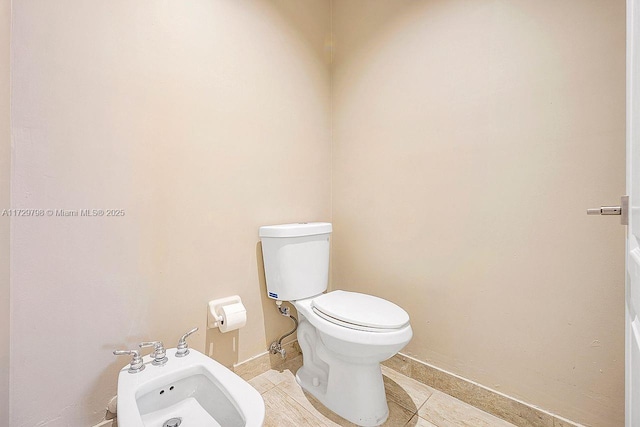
<point>136,361</point>
<point>172,422</point>
<point>622,210</point>
<point>276,346</point>
<point>159,353</point>
<point>183,347</point>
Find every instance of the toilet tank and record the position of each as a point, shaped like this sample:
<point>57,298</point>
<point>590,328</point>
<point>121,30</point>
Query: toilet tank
<point>296,259</point>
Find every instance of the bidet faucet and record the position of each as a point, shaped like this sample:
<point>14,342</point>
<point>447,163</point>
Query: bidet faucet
<point>159,353</point>
<point>136,364</point>
<point>183,347</point>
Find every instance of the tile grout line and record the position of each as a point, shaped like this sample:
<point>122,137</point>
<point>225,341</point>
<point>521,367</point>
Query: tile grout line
<point>320,420</point>
<point>312,415</point>
<point>421,405</point>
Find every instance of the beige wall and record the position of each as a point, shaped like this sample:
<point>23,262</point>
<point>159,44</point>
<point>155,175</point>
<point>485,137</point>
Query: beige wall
<point>5,168</point>
<point>469,137</point>
<point>202,120</point>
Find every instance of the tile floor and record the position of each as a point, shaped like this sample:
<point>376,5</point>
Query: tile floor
<point>411,403</point>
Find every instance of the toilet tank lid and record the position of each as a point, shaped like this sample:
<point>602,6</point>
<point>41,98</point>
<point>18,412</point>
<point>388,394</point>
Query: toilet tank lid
<point>299,229</point>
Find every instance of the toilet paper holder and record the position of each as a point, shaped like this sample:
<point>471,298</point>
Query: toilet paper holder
<point>215,314</point>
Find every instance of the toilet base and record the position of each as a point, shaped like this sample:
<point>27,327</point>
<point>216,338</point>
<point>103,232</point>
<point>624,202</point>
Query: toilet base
<point>358,397</point>
<point>355,391</point>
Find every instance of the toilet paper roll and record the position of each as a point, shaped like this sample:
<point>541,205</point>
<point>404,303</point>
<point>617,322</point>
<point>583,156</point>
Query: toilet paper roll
<point>234,316</point>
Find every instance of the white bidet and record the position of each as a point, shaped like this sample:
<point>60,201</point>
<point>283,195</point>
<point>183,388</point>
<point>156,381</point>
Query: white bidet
<point>189,391</point>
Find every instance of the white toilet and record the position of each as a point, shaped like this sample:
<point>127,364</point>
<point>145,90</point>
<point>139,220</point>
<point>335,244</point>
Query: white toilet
<point>343,335</point>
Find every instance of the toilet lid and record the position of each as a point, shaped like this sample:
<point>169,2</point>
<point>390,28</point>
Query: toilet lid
<point>360,310</point>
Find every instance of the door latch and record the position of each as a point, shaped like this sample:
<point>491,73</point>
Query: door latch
<point>622,210</point>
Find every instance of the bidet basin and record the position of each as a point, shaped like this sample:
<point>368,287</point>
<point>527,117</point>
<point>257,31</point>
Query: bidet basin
<point>190,391</point>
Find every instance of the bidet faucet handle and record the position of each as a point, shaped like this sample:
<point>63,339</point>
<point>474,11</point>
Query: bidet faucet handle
<point>159,353</point>
<point>136,364</point>
<point>185,336</point>
<point>183,347</point>
<point>157,346</point>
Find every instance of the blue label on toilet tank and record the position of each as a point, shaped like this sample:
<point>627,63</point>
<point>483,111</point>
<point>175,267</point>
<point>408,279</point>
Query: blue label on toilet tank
<point>272,295</point>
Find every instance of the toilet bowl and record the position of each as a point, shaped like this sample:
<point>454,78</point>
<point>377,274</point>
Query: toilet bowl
<point>343,335</point>
<point>341,357</point>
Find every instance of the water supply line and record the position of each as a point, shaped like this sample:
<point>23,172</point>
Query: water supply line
<point>276,346</point>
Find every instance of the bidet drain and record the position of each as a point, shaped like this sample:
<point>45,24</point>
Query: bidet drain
<point>172,422</point>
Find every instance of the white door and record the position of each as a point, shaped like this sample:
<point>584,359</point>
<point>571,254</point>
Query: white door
<point>632,320</point>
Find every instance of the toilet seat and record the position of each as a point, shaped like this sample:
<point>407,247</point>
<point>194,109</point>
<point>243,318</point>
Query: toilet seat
<point>350,332</point>
<point>359,311</point>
